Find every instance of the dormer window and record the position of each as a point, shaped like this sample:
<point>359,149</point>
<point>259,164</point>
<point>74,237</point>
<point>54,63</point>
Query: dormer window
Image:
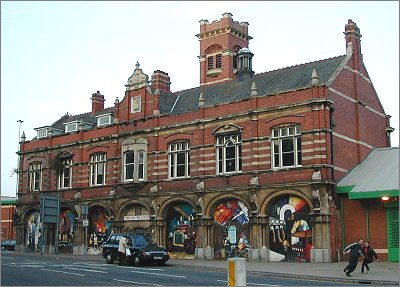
<point>42,132</point>
<point>104,120</point>
<point>71,127</point>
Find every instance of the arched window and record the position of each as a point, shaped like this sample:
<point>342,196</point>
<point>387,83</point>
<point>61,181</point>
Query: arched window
<point>65,174</point>
<point>134,160</point>
<point>129,163</point>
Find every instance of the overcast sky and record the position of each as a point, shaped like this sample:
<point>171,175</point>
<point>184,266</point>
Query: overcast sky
<point>54,55</point>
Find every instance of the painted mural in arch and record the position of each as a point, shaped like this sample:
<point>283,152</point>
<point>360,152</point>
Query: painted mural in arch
<point>99,228</point>
<point>231,216</point>
<point>290,235</point>
<point>181,231</point>
<point>34,231</point>
<point>66,230</point>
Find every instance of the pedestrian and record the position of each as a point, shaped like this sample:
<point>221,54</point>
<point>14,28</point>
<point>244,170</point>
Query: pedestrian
<point>355,250</point>
<point>122,246</point>
<point>369,254</point>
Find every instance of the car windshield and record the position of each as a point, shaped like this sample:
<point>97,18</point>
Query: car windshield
<point>142,240</point>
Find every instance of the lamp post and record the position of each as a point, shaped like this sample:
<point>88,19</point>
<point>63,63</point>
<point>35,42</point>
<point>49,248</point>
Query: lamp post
<point>19,147</point>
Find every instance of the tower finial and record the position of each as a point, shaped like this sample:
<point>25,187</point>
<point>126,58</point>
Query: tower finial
<point>254,90</point>
<point>314,78</point>
<point>137,65</point>
<point>202,101</point>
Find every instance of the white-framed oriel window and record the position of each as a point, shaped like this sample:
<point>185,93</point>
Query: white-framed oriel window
<point>98,169</point>
<point>35,176</point>
<point>65,174</point>
<point>134,164</point>
<point>286,146</point>
<point>178,159</point>
<point>229,153</point>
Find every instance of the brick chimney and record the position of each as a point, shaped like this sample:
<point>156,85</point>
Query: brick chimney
<point>353,36</point>
<point>160,80</point>
<point>97,102</point>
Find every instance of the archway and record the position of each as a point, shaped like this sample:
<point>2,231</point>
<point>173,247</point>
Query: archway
<point>231,217</point>
<point>33,231</point>
<point>66,230</point>
<point>181,231</point>
<point>136,218</point>
<point>99,228</point>
<point>290,236</point>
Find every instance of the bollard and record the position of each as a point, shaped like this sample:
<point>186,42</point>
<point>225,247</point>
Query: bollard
<point>237,272</point>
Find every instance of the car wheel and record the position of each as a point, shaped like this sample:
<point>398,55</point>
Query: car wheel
<point>109,258</point>
<point>137,261</point>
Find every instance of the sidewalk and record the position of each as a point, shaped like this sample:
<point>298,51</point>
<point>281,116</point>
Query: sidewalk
<point>381,273</point>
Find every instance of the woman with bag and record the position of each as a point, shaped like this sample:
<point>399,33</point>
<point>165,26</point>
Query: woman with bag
<point>122,249</point>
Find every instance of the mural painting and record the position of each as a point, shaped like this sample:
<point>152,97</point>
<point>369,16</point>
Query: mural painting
<point>290,231</point>
<point>181,231</point>
<point>231,215</point>
<point>99,228</point>
<point>66,231</point>
<point>34,231</point>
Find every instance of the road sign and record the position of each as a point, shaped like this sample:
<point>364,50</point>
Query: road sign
<point>50,208</point>
<point>85,222</point>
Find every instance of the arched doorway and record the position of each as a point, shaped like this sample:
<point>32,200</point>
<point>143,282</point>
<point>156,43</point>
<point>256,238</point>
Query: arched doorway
<point>290,236</point>
<point>231,217</point>
<point>181,230</point>
<point>99,229</point>
<point>136,219</point>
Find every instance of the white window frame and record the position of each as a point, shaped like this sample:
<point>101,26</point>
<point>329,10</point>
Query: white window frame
<point>278,136</point>
<point>138,164</point>
<point>103,118</point>
<point>98,164</point>
<point>35,176</point>
<point>175,149</point>
<point>67,166</point>
<point>42,133</point>
<point>71,127</point>
<point>222,143</point>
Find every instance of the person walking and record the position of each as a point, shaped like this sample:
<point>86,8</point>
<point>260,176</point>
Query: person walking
<point>355,250</point>
<point>369,254</point>
<point>122,246</point>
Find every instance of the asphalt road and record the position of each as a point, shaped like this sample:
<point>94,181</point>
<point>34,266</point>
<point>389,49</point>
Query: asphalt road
<point>17,270</point>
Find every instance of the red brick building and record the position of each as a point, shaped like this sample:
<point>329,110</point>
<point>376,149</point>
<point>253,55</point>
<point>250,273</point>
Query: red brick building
<point>8,230</point>
<point>259,153</point>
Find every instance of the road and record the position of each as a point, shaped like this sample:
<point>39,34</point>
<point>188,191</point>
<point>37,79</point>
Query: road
<point>19,270</point>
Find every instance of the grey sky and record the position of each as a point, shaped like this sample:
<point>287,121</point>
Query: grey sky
<point>54,55</point>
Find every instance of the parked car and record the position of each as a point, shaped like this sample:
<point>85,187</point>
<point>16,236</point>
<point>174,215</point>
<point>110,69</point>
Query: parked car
<point>143,249</point>
<point>8,244</point>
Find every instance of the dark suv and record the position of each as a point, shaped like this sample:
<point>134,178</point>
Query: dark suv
<point>142,247</point>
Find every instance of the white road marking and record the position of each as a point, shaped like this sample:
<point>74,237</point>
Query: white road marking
<point>87,270</point>
<point>134,282</point>
<point>83,265</point>
<point>32,265</point>
<point>248,283</point>
<point>157,274</point>
<point>151,269</point>
<point>77,274</point>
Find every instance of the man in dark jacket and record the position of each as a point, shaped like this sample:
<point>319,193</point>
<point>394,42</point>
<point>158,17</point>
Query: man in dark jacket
<point>355,250</point>
<point>369,254</point>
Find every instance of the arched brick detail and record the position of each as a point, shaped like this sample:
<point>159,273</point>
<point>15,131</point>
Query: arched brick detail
<point>218,199</point>
<point>125,206</point>
<point>164,207</point>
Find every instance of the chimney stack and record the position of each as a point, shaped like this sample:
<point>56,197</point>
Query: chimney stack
<point>161,81</point>
<point>97,102</point>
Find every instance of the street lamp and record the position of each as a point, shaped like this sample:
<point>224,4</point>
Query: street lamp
<point>19,147</point>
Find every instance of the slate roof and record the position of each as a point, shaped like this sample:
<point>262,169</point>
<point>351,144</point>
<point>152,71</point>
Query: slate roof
<point>268,83</point>
<point>376,176</point>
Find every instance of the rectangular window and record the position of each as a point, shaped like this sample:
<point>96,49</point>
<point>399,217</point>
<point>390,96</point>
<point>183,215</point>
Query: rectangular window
<point>210,62</point>
<point>178,159</point>
<point>64,176</point>
<point>235,62</point>
<point>129,165</point>
<point>71,127</point>
<point>218,61</point>
<point>141,161</point>
<point>104,120</point>
<point>229,154</point>
<point>286,147</point>
<point>35,176</point>
<point>98,169</point>
<point>42,133</point>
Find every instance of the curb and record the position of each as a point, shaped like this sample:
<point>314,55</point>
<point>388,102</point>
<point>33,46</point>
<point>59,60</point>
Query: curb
<point>297,276</point>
